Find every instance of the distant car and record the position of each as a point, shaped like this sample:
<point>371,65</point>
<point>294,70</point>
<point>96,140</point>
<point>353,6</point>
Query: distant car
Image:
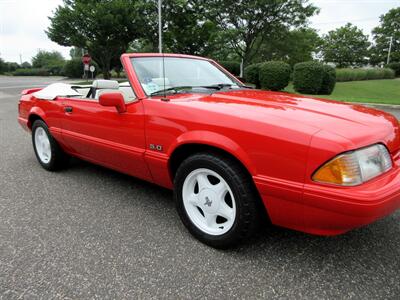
<point>231,153</point>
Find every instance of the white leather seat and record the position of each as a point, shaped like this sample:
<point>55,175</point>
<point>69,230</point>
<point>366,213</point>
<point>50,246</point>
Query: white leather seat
<point>109,86</point>
<point>128,93</point>
<point>105,84</point>
<point>102,85</point>
<point>100,92</point>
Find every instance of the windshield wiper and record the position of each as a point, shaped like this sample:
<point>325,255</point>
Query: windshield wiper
<point>218,86</point>
<point>175,88</point>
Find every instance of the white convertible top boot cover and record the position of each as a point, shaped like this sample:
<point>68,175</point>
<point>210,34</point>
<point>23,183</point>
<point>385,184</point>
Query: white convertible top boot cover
<point>55,90</point>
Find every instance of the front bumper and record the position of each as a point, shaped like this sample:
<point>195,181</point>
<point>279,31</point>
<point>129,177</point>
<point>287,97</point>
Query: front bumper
<point>330,210</point>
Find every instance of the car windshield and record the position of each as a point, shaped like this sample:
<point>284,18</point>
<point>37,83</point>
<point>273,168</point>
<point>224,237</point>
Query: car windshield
<point>180,74</point>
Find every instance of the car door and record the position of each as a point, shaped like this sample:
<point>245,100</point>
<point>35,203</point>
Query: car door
<point>102,135</point>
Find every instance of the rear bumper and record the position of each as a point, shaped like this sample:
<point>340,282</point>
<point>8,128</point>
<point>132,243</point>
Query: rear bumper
<point>328,210</point>
<point>24,123</point>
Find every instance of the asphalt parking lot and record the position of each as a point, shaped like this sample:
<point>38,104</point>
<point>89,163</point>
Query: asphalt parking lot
<point>88,232</point>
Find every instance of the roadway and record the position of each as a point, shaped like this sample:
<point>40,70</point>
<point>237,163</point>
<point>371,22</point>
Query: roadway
<point>88,232</point>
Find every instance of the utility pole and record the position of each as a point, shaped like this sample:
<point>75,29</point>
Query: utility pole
<point>390,50</point>
<point>159,26</point>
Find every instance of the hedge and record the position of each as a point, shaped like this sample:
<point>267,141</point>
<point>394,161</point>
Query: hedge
<point>232,66</point>
<point>56,68</point>
<point>73,68</point>
<point>328,81</point>
<point>395,66</point>
<point>31,72</point>
<point>274,75</point>
<point>251,75</point>
<point>364,74</point>
<point>308,77</point>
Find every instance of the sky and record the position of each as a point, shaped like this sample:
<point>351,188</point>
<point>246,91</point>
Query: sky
<point>23,22</point>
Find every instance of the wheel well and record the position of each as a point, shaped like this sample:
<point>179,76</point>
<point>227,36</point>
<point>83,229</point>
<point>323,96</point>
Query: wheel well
<point>184,151</point>
<point>32,118</point>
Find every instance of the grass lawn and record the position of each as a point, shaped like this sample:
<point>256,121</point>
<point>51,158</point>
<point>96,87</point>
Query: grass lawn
<point>370,91</point>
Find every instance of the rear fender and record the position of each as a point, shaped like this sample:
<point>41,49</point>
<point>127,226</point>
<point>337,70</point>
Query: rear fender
<point>30,91</point>
<point>38,112</point>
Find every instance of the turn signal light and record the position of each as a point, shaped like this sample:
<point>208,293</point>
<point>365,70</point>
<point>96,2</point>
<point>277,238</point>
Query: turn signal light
<point>356,167</point>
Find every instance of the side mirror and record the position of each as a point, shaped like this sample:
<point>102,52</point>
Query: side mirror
<point>113,99</point>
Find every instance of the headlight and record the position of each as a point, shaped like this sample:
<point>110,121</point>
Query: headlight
<point>356,167</point>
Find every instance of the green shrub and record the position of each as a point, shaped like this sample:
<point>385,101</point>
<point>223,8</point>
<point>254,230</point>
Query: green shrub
<point>232,66</point>
<point>31,72</point>
<point>389,73</point>
<point>251,75</point>
<point>364,74</point>
<point>328,81</point>
<point>349,74</point>
<point>308,77</point>
<point>73,68</point>
<point>115,74</point>
<point>274,75</point>
<point>395,66</point>
<point>56,68</point>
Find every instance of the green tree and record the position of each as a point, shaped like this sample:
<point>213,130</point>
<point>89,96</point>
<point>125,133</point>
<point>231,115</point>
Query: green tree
<point>291,46</point>
<point>246,24</point>
<point>346,46</point>
<point>11,66</point>
<point>26,65</point>
<point>3,66</point>
<point>105,28</point>
<point>45,59</point>
<point>53,62</point>
<point>187,28</point>
<point>389,28</point>
<point>76,52</point>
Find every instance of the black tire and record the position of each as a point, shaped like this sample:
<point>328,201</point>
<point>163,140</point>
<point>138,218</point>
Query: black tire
<point>59,159</point>
<point>245,195</point>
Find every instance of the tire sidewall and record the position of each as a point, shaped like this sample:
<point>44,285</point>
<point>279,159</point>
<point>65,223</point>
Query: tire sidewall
<point>40,124</point>
<point>224,170</point>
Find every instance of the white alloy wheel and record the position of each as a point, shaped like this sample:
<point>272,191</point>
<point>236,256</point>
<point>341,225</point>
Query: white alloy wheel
<point>42,145</point>
<point>209,201</point>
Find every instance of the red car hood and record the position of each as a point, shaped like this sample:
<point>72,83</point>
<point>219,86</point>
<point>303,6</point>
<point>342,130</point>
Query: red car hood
<point>359,124</point>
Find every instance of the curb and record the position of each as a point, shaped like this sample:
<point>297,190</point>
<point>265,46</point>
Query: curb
<point>378,105</point>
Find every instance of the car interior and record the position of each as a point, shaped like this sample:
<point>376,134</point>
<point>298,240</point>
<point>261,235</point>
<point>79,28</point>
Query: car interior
<point>102,86</point>
<point>87,92</point>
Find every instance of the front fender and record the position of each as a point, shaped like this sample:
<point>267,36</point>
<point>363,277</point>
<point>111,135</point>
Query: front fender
<point>215,140</point>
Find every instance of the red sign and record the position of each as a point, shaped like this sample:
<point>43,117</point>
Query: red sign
<point>86,59</point>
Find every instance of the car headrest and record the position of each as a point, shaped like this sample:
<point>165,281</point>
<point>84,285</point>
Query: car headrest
<point>105,84</point>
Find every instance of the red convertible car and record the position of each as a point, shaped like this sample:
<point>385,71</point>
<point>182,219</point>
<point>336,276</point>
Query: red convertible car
<point>229,152</point>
